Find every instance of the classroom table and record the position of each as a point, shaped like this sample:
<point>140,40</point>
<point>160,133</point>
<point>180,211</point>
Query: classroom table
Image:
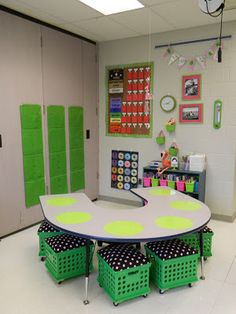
<point>165,214</point>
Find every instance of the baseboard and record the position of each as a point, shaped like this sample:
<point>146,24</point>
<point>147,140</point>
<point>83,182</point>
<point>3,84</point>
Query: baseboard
<point>120,200</point>
<point>19,230</point>
<point>222,217</point>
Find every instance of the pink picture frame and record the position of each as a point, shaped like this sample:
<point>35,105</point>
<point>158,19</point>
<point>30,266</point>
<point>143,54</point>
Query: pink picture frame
<point>191,87</point>
<point>191,113</point>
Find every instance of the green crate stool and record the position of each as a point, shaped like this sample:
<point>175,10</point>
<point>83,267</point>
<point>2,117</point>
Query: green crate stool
<point>123,272</point>
<point>66,256</point>
<point>45,230</point>
<point>192,239</point>
<point>174,264</point>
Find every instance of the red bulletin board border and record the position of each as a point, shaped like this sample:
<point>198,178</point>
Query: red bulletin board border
<point>146,117</point>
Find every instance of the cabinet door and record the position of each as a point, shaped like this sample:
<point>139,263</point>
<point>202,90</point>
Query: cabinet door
<point>20,82</point>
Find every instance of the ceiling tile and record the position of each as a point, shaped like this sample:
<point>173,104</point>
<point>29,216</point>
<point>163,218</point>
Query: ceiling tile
<point>106,28</point>
<point>69,10</point>
<point>80,31</point>
<point>183,14</point>
<point>143,21</point>
<point>154,2</point>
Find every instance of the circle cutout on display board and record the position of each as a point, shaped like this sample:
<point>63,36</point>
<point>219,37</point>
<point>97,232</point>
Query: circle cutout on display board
<point>71,218</point>
<point>127,179</point>
<point>127,186</point>
<point>120,178</point>
<point>114,155</point>
<point>134,172</point>
<point>120,185</point>
<point>114,177</point>
<point>174,222</point>
<point>114,163</point>
<point>127,164</point>
<point>134,180</point>
<point>134,164</point>
<point>120,163</point>
<point>61,201</point>
<point>121,156</point>
<point>127,156</point>
<point>114,170</point>
<point>127,171</point>
<point>123,228</point>
<point>134,157</point>
<point>185,205</point>
<point>120,170</point>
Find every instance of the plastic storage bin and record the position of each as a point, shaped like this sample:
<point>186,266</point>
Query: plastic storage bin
<point>155,181</point>
<point>67,260</point>
<point>171,184</point>
<point>123,284</point>
<point>189,186</point>
<point>146,182</point>
<point>170,271</point>
<point>163,182</point>
<point>180,186</point>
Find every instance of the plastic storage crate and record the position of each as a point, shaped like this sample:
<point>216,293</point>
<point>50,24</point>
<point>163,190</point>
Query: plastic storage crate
<point>45,231</point>
<point>124,284</point>
<point>66,256</point>
<point>193,240</point>
<point>170,271</point>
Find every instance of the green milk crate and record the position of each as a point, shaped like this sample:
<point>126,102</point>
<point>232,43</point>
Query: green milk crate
<point>172,273</point>
<point>193,240</point>
<point>125,284</point>
<point>42,236</point>
<point>67,264</point>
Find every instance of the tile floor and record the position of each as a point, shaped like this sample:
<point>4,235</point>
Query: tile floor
<point>27,288</point>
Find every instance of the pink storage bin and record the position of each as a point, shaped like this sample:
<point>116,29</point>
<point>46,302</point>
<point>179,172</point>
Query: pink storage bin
<point>180,186</point>
<point>146,182</point>
<point>163,182</point>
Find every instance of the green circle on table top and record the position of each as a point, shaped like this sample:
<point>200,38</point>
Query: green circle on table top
<point>123,228</point>
<point>70,218</point>
<point>174,222</point>
<point>160,192</point>
<point>61,201</point>
<point>185,205</point>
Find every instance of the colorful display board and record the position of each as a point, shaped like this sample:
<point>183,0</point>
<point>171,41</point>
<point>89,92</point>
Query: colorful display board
<point>129,100</point>
<point>124,170</point>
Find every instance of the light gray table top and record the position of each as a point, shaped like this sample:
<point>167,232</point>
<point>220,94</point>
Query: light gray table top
<point>167,213</point>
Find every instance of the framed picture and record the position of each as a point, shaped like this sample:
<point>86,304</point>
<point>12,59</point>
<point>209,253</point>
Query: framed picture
<point>191,113</point>
<point>191,87</point>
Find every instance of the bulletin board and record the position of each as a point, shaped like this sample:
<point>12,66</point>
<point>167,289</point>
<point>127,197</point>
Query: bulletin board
<point>124,169</point>
<point>129,100</point>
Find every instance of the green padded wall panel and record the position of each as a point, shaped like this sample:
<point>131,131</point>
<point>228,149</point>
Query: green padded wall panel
<point>32,147</point>
<point>57,149</point>
<point>76,136</point>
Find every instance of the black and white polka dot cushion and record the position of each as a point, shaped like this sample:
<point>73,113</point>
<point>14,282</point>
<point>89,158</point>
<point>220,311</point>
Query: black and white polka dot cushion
<point>170,249</point>
<point>46,227</point>
<point>65,242</point>
<point>207,230</point>
<point>124,256</point>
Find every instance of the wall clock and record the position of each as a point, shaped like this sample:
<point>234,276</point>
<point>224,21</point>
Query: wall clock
<point>168,103</point>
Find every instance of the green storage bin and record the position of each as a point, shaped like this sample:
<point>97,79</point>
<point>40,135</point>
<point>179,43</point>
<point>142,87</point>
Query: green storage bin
<point>171,273</point>
<point>42,237</point>
<point>171,184</point>
<point>155,181</point>
<point>160,140</point>
<point>170,127</point>
<point>67,264</point>
<point>125,284</point>
<point>173,151</point>
<point>189,187</point>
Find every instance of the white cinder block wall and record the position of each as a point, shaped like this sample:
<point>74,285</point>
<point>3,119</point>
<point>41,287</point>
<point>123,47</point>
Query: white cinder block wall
<point>218,81</point>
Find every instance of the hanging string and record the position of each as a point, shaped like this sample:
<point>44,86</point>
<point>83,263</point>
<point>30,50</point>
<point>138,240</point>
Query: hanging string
<point>220,50</point>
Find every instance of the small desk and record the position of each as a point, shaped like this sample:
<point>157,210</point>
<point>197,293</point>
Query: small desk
<point>166,214</point>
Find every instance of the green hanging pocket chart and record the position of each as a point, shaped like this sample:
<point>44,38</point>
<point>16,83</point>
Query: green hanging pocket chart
<point>57,149</point>
<point>76,136</point>
<point>32,147</point>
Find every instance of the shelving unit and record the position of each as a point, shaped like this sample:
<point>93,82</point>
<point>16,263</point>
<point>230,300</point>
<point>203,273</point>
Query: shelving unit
<point>199,177</point>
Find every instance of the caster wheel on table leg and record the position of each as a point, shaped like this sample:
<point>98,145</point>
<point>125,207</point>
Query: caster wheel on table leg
<point>205,258</point>
<point>86,302</point>
<point>115,304</point>
<point>43,258</point>
<point>145,295</point>
<point>161,291</point>
<point>190,285</point>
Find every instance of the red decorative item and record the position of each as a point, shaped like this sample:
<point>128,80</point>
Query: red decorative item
<point>165,161</point>
<point>130,74</point>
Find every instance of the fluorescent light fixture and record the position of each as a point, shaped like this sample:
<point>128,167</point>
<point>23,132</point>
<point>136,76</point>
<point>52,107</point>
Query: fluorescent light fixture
<point>107,7</point>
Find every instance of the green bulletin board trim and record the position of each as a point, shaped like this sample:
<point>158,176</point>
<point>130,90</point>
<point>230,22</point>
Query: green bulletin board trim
<point>111,67</point>
<point>57,149</point>
<point>76,143</point>
<point>32,148</point>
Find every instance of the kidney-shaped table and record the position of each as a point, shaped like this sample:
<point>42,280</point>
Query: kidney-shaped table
<point>166,214</point>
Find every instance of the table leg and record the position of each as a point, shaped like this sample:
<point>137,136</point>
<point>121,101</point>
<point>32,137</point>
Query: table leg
<point>202,254</point>
<point>86,301</point>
